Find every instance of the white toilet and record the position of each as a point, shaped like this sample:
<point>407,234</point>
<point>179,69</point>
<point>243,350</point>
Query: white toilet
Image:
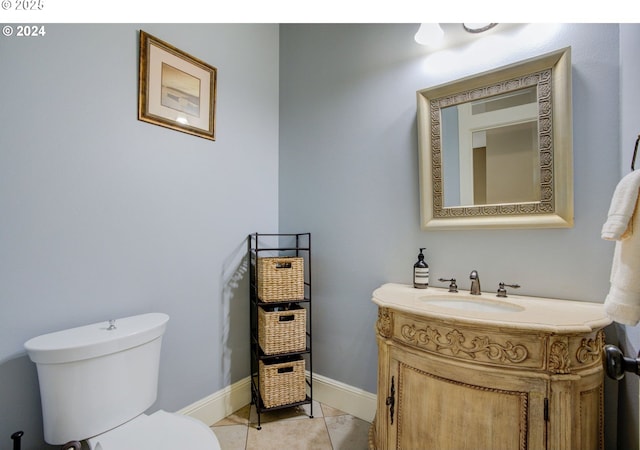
<point>97,380</point>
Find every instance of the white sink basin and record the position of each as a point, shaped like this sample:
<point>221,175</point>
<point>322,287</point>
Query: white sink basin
<point>473,305</point>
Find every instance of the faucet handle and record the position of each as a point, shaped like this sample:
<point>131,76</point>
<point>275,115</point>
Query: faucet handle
<point>453,287</point>
<point>502,292</point>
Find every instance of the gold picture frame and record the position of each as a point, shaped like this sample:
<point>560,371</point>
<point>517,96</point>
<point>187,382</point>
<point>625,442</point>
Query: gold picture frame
<point>175,89</point>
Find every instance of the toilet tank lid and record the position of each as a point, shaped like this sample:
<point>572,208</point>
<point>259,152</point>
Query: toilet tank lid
<point>90,341</point>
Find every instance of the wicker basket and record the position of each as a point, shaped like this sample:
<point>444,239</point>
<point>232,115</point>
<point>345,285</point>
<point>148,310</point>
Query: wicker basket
<point>280,279</point>
<point>282,331</point>
<point>282,383</point>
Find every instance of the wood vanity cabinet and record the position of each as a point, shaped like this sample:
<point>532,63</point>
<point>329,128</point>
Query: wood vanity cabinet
<point>449,384</point>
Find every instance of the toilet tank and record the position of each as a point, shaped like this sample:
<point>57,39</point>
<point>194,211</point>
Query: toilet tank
<point>96,377</point>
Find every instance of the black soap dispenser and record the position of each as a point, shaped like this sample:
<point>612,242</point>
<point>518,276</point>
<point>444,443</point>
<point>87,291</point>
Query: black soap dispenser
<point>421,273</point>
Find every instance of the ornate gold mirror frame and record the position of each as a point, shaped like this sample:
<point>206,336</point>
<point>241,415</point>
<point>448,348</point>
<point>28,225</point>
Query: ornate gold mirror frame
<point>550,74</point>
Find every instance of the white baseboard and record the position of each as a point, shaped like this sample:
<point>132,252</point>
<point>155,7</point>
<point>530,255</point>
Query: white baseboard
<point>352,400</point>
<point>220,404</point>
<point>217,406</point>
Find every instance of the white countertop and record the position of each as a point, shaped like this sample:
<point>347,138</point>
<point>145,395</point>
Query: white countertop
<point>522,312</point>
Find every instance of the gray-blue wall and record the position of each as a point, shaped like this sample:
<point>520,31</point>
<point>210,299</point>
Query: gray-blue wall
<point>104,216</point>
<point>349,174</point>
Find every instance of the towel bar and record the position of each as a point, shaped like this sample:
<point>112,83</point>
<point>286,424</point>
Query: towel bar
<point>17,436</point>
<point>635,152</point>
<point>616,364</point>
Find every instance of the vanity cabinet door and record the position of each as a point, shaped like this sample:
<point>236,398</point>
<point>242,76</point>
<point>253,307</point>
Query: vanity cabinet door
<point>576,412</point>
<point>442,404</point>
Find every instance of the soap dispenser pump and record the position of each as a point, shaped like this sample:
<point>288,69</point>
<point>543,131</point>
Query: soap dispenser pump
<point>421,272</point>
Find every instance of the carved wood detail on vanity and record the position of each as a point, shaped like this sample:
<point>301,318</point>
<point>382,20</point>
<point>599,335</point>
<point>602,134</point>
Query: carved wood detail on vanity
<point>559,361</point>
<point>539,351</point>
<point>590,350</point>
<point>586,351</point>
<point>455,342</point>
<point>469,342</point>
<point>383,325</point>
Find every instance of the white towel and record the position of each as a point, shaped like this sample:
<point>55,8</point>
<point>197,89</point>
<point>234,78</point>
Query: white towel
<point>623,225</point>
<point>623,204</point>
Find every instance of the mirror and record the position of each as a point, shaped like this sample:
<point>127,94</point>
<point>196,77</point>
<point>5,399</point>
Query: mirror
<point>496,148</point>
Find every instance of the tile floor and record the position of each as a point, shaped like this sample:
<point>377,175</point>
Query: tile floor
<point>292,429</point>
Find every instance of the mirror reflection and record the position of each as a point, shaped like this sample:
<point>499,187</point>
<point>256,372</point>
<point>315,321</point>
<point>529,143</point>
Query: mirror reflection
<point>490,150</point>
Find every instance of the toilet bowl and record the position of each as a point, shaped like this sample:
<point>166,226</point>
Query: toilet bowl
<point>158,431</point>
<point>96,382</point>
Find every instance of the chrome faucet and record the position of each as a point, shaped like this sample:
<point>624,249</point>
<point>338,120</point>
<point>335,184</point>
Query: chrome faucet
<point>475,283</point>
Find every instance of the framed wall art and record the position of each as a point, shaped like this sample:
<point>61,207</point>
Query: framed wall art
<point>176,90</point>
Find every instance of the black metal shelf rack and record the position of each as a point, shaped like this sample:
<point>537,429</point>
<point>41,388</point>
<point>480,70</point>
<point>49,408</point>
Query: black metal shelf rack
<point>278,244</point>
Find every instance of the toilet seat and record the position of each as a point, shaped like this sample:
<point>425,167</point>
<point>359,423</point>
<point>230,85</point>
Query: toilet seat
<point>158,431</point>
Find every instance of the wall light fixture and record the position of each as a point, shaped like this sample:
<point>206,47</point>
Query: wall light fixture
<point>477,27</point>
<point>438,36</point>
<point>430,34</point>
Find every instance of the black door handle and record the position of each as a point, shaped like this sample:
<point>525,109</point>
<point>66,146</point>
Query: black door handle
<point>616,364</point>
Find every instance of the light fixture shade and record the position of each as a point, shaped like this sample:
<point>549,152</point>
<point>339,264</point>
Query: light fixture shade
<point>430,34</point>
